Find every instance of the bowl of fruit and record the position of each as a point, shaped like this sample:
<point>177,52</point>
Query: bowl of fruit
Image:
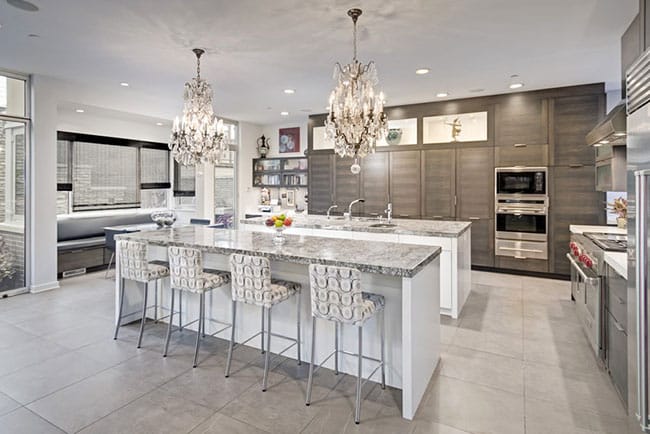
<point>279,223</point>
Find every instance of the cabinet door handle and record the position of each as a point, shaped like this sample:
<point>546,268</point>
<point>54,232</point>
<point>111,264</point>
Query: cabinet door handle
<point>474,218</point>
<point>576,166</point>
<point>404,215</point>
<point>520,145</point>
<point>437,216</point>
<point>519,257</point>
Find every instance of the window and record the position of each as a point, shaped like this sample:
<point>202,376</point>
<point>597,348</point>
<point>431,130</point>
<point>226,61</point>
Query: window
<point>99,173</point>
<point>184,180</point>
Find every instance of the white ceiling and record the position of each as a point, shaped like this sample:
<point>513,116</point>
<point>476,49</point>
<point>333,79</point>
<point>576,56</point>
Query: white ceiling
<point>257,48</point>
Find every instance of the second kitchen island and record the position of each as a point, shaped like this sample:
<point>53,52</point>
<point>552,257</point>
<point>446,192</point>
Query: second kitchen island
<point>408,278</point>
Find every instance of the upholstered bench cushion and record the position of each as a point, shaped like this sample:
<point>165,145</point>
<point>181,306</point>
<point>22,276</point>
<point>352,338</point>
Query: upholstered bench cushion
<point>81,243</point>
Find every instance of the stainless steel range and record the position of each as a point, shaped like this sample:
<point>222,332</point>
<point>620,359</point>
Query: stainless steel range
<point>588,270</point>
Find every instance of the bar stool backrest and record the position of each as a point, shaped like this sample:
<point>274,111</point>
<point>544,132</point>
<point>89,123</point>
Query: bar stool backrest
<point>251,279</point>
<point>186,268</point>
<point>336,293</point>
<point>133,260</point>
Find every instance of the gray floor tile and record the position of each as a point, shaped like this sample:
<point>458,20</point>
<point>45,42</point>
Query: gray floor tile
<point>552,330</point>
<point>156,413</point>
<point>473,408</point>
<point>89,332</point>
<point>28,353</point>
<point>220,423</point>
<point>506,324</point>
<point>565,355</point>
<point>23,421</point>
<point>483,368</point>
<point>7,404</point>
<point>505,345</point>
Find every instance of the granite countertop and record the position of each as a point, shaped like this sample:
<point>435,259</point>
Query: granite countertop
<point>394,259</point>
<point>579,229</point>
<point>425,228</point>
<point>618,261</point>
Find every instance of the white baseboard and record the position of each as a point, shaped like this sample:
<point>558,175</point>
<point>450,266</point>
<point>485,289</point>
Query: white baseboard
<point>35,289</point>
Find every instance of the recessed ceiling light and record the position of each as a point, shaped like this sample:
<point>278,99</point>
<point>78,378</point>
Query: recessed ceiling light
<point>515,82</point>
<point>160,124</point>
<point>597,145</point>
<point>442,94</point>
<point>619,134</point>
<point>124,84</point>
<point>23,5</point>
<point>422,71</point>
<point>604,142</point>
<point>284,113</point>
<point>289,91</point>
<point>79,110</point>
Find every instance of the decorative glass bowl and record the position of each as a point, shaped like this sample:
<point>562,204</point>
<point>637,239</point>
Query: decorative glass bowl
<point>164,219</point>
<point>279,236</point>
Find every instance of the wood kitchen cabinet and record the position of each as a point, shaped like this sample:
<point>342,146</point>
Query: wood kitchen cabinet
<point>320,183</point>
<point>574,201</point>
<point>374,183</point>
<point>346,186</point>
<point>573,117</point>
<point>439,183</point>
<point>475,182</point>
<point>482,241</point>
<point>521,154</point>
<point>405,183</point>
<point>521,119</point>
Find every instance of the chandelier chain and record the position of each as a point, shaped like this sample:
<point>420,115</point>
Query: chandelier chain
<point>354,37</point>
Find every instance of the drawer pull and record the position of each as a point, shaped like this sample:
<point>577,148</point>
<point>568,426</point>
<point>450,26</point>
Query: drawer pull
<point>474,218</point>
<point>576,166</point>
<point>515,249</point>
<point>520,145</point>
<point>519,257</point>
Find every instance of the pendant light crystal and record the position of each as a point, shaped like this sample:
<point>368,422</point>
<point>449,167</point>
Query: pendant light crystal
<point>356,117</point>
<point>199,136</point>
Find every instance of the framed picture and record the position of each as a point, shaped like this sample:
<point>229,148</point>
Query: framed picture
<point>291,198</point>
<point>289,140</point>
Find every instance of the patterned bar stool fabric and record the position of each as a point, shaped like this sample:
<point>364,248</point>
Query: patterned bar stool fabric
<point>188,275</point>
<point>252,284</point>
<point>133,265</point>
<point>336,296</point>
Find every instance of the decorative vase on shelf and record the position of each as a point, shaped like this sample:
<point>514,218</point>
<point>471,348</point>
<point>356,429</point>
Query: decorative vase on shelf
<point>279,236</point>
<point>164,218</point>
<point>621,222</point>
<point>394,136</point>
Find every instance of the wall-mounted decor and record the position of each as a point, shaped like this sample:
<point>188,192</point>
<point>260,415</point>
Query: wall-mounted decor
<point>263,146</point>
<point>463,127</point>
<point>289,140</point>
<point>291,198</point>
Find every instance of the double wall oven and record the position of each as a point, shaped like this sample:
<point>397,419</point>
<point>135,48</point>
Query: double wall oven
<point>521,208</point>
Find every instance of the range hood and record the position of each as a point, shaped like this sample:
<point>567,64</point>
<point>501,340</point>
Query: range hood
<point>610,131</point>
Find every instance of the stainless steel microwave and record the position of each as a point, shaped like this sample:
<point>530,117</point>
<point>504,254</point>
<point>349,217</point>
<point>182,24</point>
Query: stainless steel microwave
<point>521,181</point>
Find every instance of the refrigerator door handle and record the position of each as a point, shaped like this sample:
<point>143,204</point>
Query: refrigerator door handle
<point>641,181</point>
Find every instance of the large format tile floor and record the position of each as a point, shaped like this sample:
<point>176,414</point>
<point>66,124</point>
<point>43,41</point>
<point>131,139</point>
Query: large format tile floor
<point>515,362</point>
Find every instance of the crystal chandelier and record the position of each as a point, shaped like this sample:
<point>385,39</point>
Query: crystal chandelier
<point>199,136</point>
<point>356,117</point>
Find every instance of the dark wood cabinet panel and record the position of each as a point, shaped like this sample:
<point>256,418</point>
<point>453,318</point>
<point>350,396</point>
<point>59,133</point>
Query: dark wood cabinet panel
<point>574,200</point>
<point>439,183</point>
<point>483,242</point>
<point>374,183</point>
<point>475,182</point>
<point>630,49</point>
<point>521,119</point>
<point>320,182</point>
<point>573,118</point>
<point>405,183</point>
<point>346,185</point>
<point>521,155</point>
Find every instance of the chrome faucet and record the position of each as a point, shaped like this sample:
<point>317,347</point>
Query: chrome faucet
<point>389,212</point>
<point>348,216</point>
<point>330,209</point>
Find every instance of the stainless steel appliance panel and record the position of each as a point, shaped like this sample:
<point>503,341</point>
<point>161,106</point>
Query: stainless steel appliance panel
<point>521,181</point>
<point>521,249</point>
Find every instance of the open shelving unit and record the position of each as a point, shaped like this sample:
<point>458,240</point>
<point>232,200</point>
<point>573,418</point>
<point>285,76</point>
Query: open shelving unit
<point>280,172</point>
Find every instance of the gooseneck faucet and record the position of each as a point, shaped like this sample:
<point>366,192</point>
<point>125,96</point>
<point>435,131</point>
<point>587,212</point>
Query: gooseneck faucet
<point>330,209</point>
<point>348,216</point>
<point>389,212</point>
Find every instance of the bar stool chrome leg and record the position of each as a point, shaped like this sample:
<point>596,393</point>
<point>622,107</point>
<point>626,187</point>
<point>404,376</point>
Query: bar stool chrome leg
<point>357,407</point>
<point>119,315</point>
<point>144,313</point>
<point>232,338</point>
<point>312,362</point>
<point>180,310</point>
<point>336,348</point>
<point>262,334</point>
<point>155,306</point>
<point>171,322</point>
<point>298,337</point>
<point>199,326</point>
<point>383,349</point>
<point>267,356</point>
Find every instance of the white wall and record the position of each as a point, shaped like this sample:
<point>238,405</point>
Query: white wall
<point>248,197</point>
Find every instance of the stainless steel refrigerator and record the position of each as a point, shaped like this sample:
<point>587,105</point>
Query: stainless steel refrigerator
<point>638,193</point>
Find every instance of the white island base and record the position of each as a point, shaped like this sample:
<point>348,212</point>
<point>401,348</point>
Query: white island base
<point>412,322</point>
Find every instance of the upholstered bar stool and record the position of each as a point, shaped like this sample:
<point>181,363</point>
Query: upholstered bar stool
<point>133,265</point>
<point>336,296</point>
<point>188,275</point>
<point>252,284</point>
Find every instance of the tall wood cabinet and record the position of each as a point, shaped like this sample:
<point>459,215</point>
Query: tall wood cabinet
<point>374,183</point>
<point>320,183</point>
<point>346,185</point>
<point>405,183</point>
<point>439,183</point>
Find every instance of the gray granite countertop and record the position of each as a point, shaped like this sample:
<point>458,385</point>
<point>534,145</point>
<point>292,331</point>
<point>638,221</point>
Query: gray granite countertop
<point>425,228</point>
<point>394,259</point>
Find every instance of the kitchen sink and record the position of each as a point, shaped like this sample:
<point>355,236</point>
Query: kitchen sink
<point>383,225</point>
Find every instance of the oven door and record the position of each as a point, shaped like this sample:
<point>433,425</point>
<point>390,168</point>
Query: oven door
<point>521,226</point>
<point>520,182</point>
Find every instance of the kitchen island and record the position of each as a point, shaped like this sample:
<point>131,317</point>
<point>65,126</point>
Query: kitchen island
<point>453,237</point>
<point>407,278</point>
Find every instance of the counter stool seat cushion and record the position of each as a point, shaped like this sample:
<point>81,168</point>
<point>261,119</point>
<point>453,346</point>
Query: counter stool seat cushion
<point>134,264</point>
<point>337,295</point>
<point>252,282</point>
